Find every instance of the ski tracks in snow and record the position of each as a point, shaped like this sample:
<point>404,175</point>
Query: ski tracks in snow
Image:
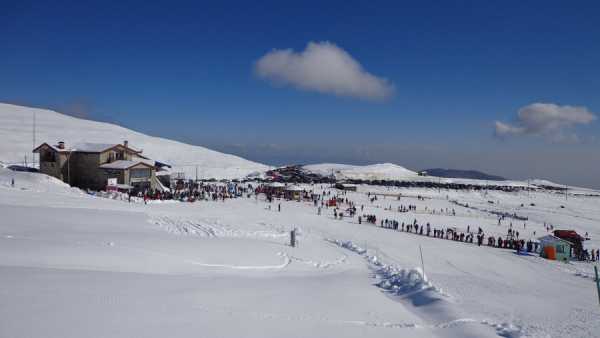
<point>212,228</point>
<point>412,286</point>
<point>286,262</point>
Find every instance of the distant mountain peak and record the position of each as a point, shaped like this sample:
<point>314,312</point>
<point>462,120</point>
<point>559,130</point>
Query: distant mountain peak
<point>460,173</point>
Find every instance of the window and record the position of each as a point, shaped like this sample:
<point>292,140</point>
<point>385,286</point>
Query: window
<point>142,173</point>
<point>560,249</point>
<point>48,156</point>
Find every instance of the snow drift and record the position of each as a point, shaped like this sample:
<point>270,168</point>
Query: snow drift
<point>33,182</point>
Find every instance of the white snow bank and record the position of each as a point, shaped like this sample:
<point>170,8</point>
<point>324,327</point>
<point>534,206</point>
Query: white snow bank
<point>396,280</point>
<point>33,181</point>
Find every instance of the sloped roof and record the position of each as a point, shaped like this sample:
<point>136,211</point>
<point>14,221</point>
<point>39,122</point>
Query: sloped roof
<point>552,238</point>
<point>55,148</point>
<point>88,147</point>
<point>124,164</point>
<point>91,147</point>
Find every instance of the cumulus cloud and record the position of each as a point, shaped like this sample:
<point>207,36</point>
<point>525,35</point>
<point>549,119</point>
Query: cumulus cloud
<point>545,119</point>
<point>325,68</point>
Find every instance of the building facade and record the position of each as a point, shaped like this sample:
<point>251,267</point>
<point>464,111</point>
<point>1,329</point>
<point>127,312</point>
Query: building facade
<point>90,165</point>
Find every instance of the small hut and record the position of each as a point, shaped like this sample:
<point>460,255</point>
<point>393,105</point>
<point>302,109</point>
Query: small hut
<point>293,192</point>
<point>346,186</point>
<point>555,248</point>
<point>275,188</point>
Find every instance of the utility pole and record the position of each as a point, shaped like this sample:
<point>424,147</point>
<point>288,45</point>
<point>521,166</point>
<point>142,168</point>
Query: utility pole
<point>33,136</point>
<point>69,168</point>
<point>332,178</point>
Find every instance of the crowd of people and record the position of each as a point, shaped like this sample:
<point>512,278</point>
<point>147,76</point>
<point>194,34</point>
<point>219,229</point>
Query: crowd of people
<point>191,192</point>
<point>511,240</point>
<point>211,191</point>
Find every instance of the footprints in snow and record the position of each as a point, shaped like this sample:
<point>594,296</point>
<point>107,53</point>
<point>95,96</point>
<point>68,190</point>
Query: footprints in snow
<point>211,228</point>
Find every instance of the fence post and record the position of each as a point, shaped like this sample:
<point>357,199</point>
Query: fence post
<point>293,238</point>
<point>597,281</point>
<point>422,263</point>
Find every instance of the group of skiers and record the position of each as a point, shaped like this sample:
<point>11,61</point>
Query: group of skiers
<point>511,241</point>
<point>191,192</point>
<point>466,237</point>
<point>407,208</point>
<point>593,255</point>
<point>369,218</point>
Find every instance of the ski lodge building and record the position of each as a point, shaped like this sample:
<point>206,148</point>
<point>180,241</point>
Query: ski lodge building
<point>91,165</point>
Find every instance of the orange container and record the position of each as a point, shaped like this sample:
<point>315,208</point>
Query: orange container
<point>550,252</point>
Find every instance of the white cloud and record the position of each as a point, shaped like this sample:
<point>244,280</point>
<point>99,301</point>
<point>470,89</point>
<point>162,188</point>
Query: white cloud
<point>325,68</point>
<point>546,119</point>
<point>503,129</point>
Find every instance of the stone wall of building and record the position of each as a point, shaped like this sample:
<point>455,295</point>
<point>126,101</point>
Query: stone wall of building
<point>85,173</point>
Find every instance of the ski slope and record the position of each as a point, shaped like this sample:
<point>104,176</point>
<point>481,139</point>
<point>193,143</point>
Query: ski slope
<point>16,128</point>
<point>74,265</point>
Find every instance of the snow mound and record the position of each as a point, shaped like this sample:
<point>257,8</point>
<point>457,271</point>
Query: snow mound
<point>33,181</point>
<point>382,171</point>
<point>393,279</point>
<point>16,125</point>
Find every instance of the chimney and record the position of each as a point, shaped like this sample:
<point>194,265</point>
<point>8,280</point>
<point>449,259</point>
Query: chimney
<point>125,143</point>
<point>61,145</point>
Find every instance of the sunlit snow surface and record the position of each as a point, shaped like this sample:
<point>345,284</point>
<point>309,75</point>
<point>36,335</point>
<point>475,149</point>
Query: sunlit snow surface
<point>73,265</point>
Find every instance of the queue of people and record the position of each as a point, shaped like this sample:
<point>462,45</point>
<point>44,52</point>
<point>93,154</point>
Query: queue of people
<point>512,240</point>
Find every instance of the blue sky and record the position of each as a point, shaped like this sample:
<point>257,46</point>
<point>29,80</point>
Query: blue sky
<point>187,70</point>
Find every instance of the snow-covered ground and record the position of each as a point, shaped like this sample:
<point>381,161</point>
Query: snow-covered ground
<point>74,265</point>
<point>16,129</point>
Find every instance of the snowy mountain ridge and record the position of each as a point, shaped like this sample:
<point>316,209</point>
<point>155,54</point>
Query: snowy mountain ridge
<point>394,172</point>
<point>380,171</point>
<point>16,142</point>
